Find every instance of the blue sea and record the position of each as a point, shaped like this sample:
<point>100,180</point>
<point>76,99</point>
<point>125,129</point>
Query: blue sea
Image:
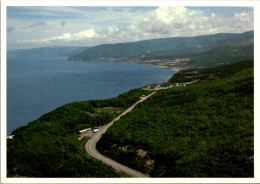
<point>36,86</point>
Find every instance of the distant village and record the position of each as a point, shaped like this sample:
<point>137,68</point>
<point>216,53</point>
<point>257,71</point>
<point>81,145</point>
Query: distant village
<point>159,87</point>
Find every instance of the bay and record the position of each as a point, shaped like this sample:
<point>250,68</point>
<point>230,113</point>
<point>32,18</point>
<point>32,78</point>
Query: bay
<point>38,85</point>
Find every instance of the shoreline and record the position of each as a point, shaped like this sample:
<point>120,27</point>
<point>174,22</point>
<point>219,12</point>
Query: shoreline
<point>163,81</point>
<point>159,63</point>
<point>177,69</point>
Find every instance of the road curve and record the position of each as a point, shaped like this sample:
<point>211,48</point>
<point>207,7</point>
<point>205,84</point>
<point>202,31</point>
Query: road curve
<point>91,145</point>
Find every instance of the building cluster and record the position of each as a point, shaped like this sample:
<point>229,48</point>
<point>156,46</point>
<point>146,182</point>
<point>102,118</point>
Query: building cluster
<point>159,87</point>
<point>85,131</point>
<point>94,130</point>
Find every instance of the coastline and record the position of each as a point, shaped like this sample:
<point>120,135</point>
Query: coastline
<point>175,68</point>
<point>75,130</point>
<point>169,64</point>
<point>167,74</point>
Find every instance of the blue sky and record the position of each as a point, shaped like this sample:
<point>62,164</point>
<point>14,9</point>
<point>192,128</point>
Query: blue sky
<point>48,26</point>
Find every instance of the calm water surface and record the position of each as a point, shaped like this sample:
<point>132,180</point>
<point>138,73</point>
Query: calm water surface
<point>38,85</point>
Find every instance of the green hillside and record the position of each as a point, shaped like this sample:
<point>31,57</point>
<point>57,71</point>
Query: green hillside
<point>49,146</point>
<point>176,52</point>
<point>206,55</point>
<point>206,50</point>
<point>204,129</point>
<point>208,73</point>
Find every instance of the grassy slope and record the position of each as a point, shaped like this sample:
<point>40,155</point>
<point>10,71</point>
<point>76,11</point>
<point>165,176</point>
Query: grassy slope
<point>49,146</point>
<point>202,130</point>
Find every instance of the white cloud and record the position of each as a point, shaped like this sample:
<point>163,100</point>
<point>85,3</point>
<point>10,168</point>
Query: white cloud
<point>171,14</point>
<point>177,21</point>
<point>113,26</point>
<point>181,21</point>
<point>90,33</point>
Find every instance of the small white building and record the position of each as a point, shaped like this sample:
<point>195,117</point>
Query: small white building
<point>85,130</point>
<point>10,136</point>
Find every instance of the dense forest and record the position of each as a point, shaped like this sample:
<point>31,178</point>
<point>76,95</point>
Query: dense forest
<point>49,146</point>
<point>204,129</point>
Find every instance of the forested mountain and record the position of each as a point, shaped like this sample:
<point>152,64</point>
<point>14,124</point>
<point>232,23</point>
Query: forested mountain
<point>221,48</point>
<point>204,129</point>
<point>56,51</point>
<point>49,146</point>
<point>177,52</point>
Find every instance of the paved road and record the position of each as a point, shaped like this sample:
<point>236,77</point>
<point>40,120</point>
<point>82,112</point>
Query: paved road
<point>91,145</point>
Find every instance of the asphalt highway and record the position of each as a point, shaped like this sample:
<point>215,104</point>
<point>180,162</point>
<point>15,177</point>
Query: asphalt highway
<point>91,145</point>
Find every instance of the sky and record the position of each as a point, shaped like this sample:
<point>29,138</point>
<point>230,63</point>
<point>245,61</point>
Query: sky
<point>40,26</point>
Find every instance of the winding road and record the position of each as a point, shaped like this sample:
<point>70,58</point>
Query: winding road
<point>91,145</point>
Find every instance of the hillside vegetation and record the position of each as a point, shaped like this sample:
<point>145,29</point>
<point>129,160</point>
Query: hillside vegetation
<point>202,130</point>
<point>49,146</point>
<point>198,51</point>
<point>176,52</point>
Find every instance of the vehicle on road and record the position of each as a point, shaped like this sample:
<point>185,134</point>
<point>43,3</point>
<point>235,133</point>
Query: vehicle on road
<point>95,130</point>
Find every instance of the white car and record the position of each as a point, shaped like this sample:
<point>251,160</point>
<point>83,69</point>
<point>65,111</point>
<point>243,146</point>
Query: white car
<point>95,130</point>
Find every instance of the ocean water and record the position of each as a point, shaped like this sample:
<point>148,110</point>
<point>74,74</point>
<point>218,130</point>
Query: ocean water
<point>38,85</point>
